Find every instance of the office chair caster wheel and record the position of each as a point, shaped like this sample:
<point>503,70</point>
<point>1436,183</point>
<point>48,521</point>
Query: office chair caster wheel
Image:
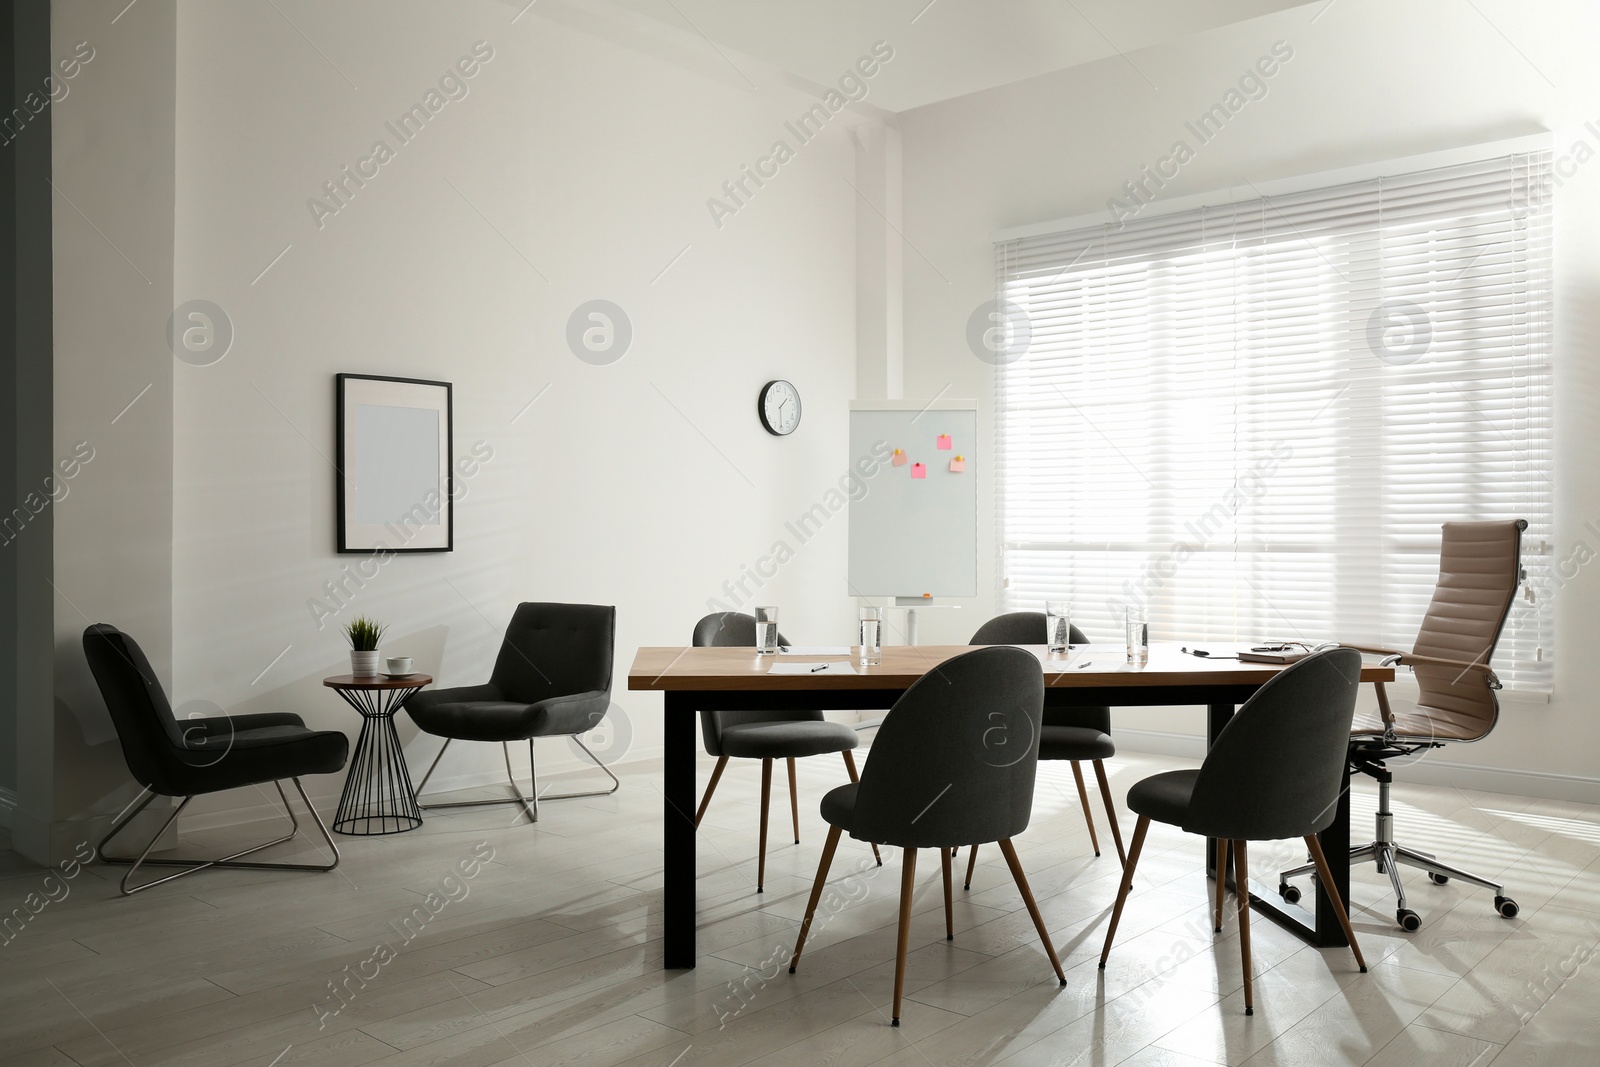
<point>1409,920</point>
<point>1506,907</point>
<point>1290,893</point>
<point>1438,879</point>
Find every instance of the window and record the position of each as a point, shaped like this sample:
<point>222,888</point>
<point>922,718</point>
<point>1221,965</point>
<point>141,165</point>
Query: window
<point>1253,418</point>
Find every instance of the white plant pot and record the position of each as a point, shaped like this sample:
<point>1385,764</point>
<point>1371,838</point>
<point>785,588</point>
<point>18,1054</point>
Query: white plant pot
<point>364,664</point>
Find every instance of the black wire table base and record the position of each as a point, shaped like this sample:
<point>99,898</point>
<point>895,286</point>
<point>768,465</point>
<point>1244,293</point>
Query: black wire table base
<point>378,797</point>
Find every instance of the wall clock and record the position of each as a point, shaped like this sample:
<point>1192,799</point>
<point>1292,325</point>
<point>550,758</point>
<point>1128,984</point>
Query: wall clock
<point>779,407</point>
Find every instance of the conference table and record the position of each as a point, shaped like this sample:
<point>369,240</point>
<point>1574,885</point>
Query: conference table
<point>692,680</point>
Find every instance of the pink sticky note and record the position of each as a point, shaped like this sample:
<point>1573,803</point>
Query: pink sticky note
<point>899,458</point>
<point>944,441</point>
<point>958,465</point>
<point>918,471</point>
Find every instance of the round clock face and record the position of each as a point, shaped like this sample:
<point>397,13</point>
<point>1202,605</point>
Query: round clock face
<point>779,407</point>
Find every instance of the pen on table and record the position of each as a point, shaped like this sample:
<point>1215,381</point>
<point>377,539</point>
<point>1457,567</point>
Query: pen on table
<point>819,667</point>
<point>1082,664</point>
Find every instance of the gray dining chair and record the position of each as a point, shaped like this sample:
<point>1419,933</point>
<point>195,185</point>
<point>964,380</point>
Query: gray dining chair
<point>1072,734</point>
<point>764,735</point>
<point>1274,772</point>
<point>552,678</point>
<point>953,764</point>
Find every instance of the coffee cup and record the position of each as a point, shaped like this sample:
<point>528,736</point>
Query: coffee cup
<point>398,665</point>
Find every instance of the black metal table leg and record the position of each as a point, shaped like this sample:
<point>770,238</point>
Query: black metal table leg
<point>1217,716</point>
<point>678,833</point>
<point>1323,930</point>
<point>378,797</point>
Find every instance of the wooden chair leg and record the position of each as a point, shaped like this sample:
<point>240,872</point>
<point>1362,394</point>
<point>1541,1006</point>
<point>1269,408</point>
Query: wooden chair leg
<point>794,801</point>
<point>949,905</point>
<point>1140,828</point>
<point>828,847</point>
<point>711,787</point>
<point>1241,890</point>
<point>972,864</point>
<point>1083,798</point>
<point>908,874</point>
<point>1010,854</point>
<point>1222,877</point>
<point>1325,877</point>
<point>1111,809</point>
<point>766,796</point>
<point>850,765</point>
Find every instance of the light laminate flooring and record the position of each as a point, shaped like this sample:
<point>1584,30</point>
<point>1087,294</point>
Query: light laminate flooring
<point>550,955</point>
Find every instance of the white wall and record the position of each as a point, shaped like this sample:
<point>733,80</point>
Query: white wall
<point>112,159</point>
<point>1369,81</point>
<point>646,484</point>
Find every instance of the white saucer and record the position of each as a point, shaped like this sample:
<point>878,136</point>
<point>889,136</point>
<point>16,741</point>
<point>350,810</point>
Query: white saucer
<point>405,674</point>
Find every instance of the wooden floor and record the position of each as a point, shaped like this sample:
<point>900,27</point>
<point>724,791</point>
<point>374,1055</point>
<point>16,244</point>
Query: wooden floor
<point>551,954</point>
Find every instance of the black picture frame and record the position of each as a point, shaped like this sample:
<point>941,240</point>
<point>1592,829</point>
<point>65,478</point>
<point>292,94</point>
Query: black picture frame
<point>386,427</point>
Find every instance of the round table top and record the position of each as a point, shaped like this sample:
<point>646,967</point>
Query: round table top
<point>377,681</point>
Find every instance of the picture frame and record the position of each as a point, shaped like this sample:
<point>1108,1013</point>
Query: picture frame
<point>395,488</point>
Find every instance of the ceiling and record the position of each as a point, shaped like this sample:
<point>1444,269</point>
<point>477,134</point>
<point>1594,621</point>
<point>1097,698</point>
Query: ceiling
<point>943,49</point>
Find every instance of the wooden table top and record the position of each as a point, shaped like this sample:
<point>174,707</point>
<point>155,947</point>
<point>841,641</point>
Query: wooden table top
<point>377,681</point>
<point>663,668</point>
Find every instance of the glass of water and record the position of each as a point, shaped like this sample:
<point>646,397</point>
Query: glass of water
<point>871,633</point>
<point>1137,627</point>
<point>766,631</point>
<point>1057,625</point>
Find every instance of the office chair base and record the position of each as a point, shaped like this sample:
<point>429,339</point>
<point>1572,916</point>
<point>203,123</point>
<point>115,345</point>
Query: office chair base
<point>530,804</point>
<point>190,866</point>
<point>1390,857</point>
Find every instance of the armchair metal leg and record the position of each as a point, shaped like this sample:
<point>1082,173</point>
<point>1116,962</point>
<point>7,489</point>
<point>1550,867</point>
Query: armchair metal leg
<point>530,803</point>
<point>190,866</point>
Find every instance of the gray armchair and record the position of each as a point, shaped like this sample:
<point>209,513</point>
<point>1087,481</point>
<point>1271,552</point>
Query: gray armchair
<point>551,679</point>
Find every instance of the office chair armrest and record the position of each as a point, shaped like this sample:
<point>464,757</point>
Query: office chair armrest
<point>1410,659</point>
<point>1374,651</point>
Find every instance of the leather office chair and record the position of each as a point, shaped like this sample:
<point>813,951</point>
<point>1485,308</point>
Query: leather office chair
<point>1074,734</point>
<point>188,758</point>
<point>1479,572</point>
<point>945,771</point>
<point>764,735</point>
<point>551,679</point>
<point>1274,772</point>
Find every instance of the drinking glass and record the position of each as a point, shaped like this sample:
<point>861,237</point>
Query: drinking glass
<point>1137,627</point>
<point>1057,625</point>
<point>766,631</point>
<point>871,633</point>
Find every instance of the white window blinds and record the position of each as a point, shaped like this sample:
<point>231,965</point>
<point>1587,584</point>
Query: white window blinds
<point>1252,419</point>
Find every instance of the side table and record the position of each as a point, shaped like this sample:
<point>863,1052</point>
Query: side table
<point>378,797</point>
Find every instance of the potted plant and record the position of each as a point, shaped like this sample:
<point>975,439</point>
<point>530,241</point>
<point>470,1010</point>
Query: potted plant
<point>364,635</point>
